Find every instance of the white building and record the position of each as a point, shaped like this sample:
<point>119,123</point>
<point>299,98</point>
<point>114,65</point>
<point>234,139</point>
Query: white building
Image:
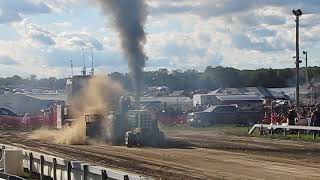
<point>203,100</point>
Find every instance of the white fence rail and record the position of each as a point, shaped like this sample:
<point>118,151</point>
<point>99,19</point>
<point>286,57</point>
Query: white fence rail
<point>61,169</point>
<point>272,128</point>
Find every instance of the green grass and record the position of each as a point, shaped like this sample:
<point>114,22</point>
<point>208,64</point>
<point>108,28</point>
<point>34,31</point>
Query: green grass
<point>243,131</point>
<point>227,129</point>
<point>303,137</point>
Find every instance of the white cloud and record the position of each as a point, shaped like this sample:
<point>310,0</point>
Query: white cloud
<point>12,10</point>
<point>8,17</point>
<point>24,60</point>
<point>60,5</point>
<point>181,34</point>
<point>7,60</point>
<point>38,37</point>
<point>78,40</point>
<point>261,25</point>
<point>35,35</point>
<point>47,53</point>
<point>63,24</point>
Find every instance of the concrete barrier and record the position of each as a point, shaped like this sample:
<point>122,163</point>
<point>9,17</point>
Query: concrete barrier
<point>12,163</point>
<point>60,169</point>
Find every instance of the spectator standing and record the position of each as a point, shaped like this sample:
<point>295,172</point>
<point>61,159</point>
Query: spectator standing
<point>313,117</point>
<point>317,117</point>
<point>304,113</point>
<point>292,116</point>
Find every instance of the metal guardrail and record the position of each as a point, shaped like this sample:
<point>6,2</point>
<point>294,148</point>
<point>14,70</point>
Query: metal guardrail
<point>10,177</point>
<point>59,168</point>
<point>285,128</point>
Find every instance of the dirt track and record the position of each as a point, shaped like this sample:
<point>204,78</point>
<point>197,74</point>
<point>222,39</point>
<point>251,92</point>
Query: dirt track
<point>196,155</point>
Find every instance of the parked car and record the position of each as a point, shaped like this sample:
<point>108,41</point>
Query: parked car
<point>224,114</point>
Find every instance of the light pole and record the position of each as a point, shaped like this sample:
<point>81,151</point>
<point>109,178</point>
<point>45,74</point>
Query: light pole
<point>297,13</point>
<point>306,53</point>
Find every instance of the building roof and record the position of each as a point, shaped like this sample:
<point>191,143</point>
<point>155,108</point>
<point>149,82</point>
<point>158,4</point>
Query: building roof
<point>287,90</point>
<point>217,91</point>
<point>310,88</point>
<point>211,108</point>
<point>200,91</point>
<point>48,96</point>
<point>177,93</point>
<point>167,99</point>
<point>259,91</point>
<point>241,97</point>
<point>278,95</point>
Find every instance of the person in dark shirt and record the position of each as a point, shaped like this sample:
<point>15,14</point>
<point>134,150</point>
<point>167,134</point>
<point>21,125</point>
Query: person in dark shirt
<point>292,116</point>
<point>316,117</point>
<point>312,116</point>
<point>304,113</point>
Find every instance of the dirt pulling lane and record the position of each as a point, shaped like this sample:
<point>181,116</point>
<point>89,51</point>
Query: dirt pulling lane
<point>253,145</point>
<point>201,155</point>
<point>104,155</point>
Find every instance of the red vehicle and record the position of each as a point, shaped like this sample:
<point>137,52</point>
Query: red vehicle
<point>172,118</point>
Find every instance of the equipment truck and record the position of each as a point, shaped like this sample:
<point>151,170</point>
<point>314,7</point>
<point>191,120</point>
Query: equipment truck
<point>136,128</point>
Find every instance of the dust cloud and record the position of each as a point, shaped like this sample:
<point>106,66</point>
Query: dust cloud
<point>100,96</point>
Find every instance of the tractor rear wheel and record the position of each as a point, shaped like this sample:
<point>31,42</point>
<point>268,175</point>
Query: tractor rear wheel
<point>129,139</point>
<point>161,139</point>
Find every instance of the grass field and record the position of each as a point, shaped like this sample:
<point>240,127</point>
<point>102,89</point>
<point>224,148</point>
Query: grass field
<point>294,137</point>
<point>227,129</point>
<point>243,131</point>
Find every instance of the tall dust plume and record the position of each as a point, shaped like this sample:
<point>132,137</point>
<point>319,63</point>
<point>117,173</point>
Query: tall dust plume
<point>129,18</point>
<point>100,96</point>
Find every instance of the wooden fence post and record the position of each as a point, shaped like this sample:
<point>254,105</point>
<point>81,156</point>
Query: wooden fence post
<point>54,164</point>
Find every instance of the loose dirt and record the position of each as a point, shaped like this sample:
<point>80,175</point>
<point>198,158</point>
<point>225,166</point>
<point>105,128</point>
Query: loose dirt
<point>200,154</point>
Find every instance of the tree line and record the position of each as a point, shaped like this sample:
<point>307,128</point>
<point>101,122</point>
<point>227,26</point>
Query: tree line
<point>32,82</point>
<point>211,78</point>
<point>216,77</point>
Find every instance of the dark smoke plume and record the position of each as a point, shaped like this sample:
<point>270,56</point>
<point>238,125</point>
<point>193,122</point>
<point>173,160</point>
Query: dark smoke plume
<point>130,17</point>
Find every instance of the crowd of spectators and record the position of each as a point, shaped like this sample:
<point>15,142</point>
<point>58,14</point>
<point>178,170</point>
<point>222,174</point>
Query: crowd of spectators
<point>308,115</point>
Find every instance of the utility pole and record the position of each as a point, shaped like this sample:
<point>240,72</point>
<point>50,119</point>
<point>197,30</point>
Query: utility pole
<point>307,78</point>
<point>84,69</point>
<point>297,13</point>
<point>92,65</point>
<point>71,67</point>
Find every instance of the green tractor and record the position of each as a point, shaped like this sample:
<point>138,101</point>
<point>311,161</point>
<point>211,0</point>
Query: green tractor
<point>143,130</point>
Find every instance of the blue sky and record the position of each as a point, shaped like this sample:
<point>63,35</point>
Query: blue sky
<point>42,36</point>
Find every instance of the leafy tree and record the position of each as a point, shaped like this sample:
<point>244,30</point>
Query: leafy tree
<point>211,78</point>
